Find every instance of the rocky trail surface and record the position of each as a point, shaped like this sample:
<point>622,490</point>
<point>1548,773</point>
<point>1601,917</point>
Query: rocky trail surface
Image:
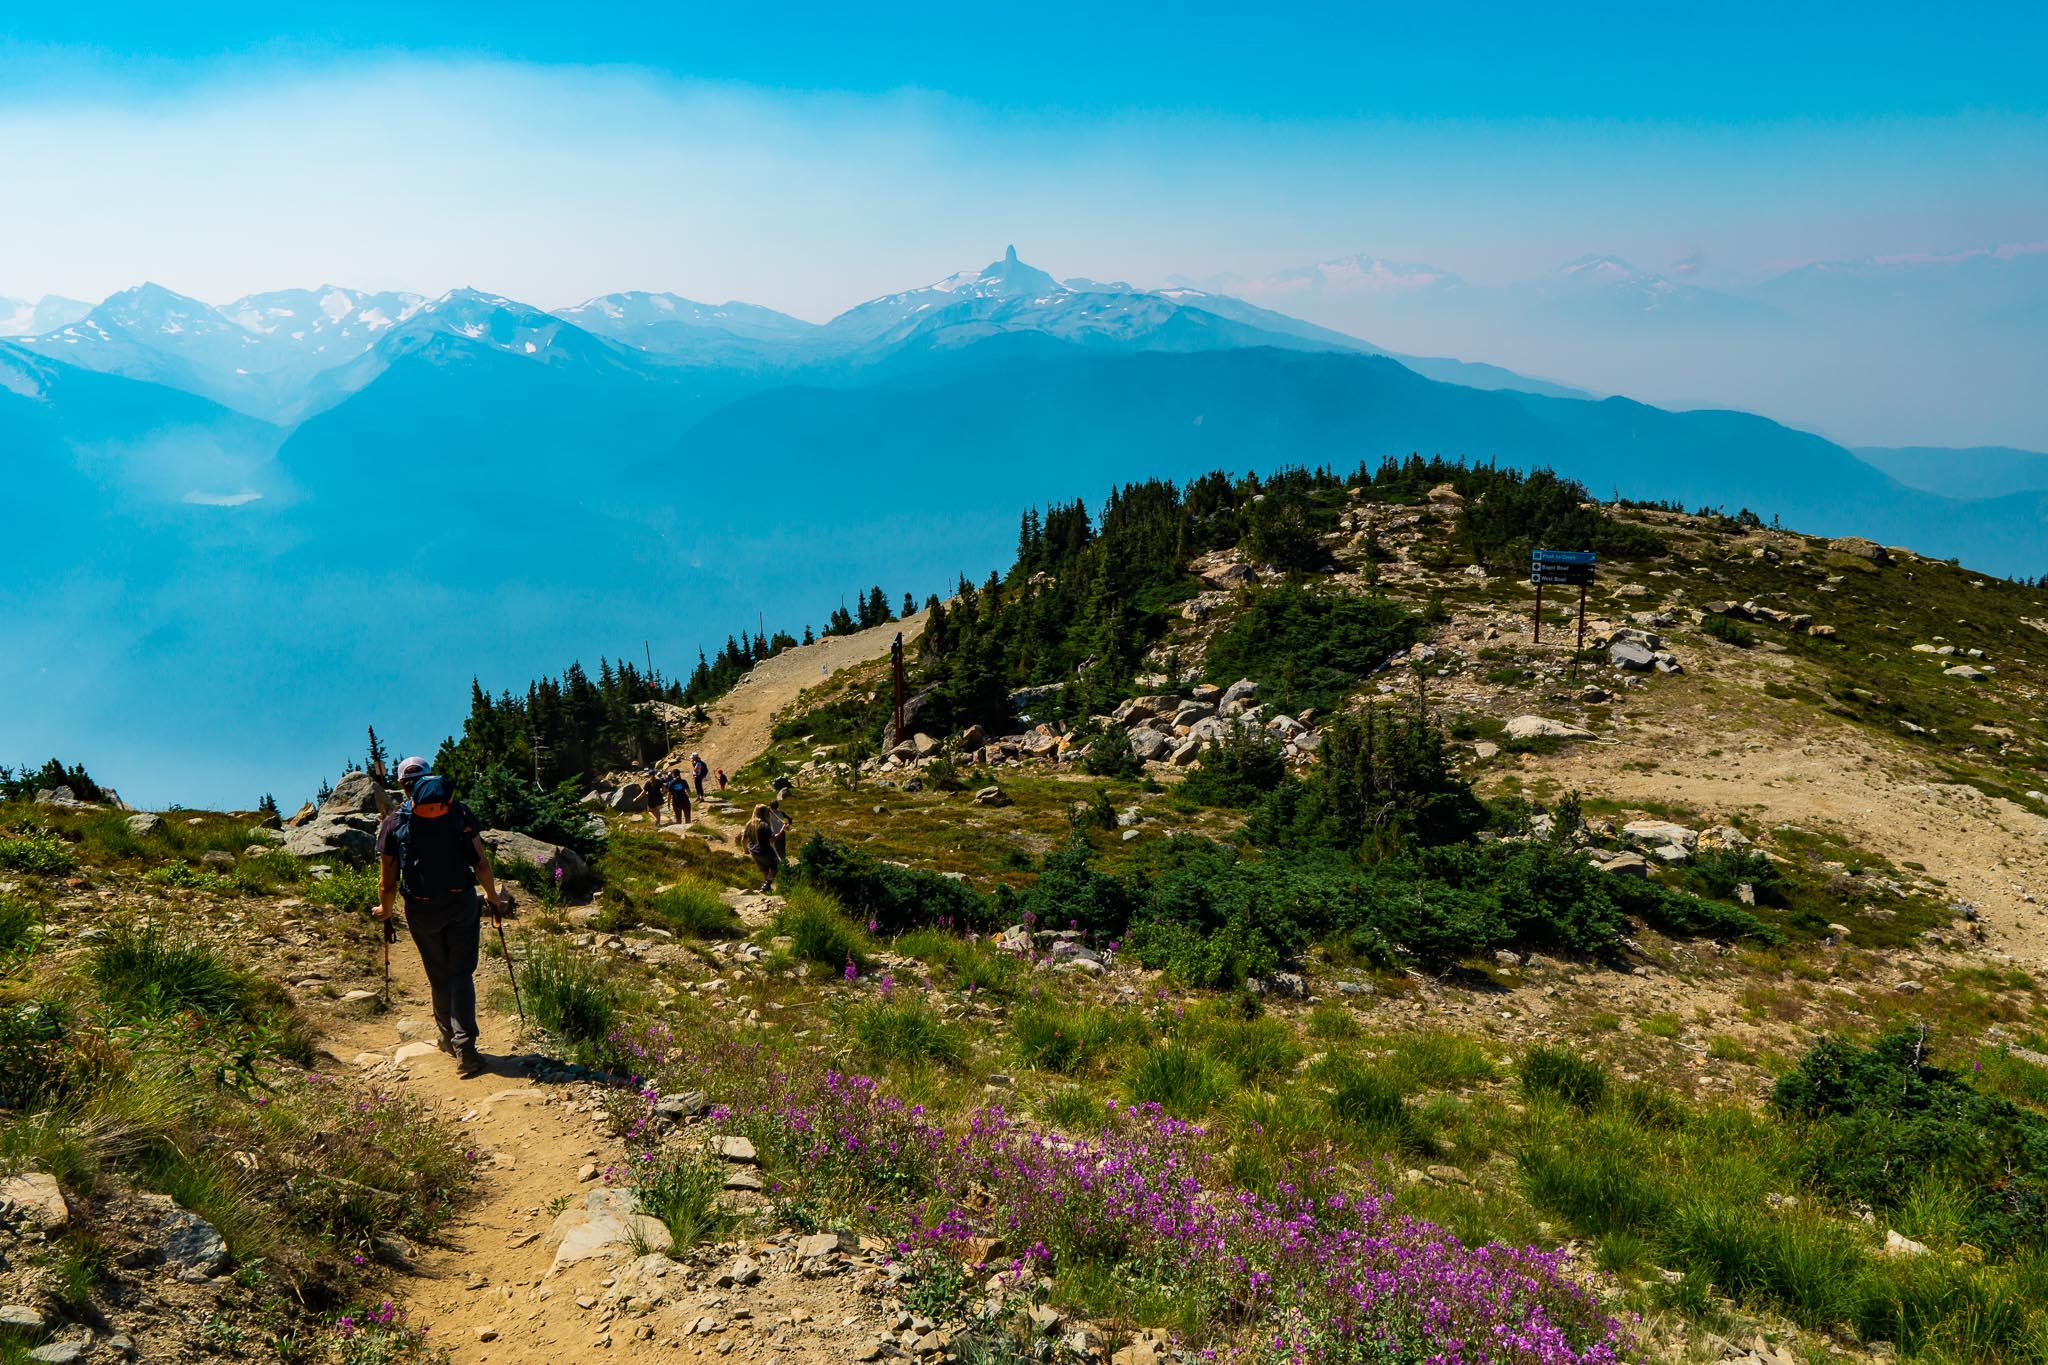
<point>550,1261</point>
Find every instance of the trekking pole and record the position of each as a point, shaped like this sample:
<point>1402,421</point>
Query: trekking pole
<point>390,937</point>
<point>506,949</point>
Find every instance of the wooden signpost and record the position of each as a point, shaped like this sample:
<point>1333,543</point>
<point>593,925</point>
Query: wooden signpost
<point>1562,568</point>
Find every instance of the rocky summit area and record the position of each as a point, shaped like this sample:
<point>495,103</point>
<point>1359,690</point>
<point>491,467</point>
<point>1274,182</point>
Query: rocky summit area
<point>1265,937</point>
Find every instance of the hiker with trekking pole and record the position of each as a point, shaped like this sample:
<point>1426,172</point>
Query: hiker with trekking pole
<point>434,854</point>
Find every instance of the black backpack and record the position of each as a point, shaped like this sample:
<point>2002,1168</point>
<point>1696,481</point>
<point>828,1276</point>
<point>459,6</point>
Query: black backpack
<point>435,861</point>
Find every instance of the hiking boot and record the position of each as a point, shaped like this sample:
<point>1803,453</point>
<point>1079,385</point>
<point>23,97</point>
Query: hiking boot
<point>446,1044</point>
<point>468,1061</point>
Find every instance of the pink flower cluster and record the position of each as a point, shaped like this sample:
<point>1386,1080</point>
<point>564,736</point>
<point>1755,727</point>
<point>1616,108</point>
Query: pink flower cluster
<point>1314,1272</point>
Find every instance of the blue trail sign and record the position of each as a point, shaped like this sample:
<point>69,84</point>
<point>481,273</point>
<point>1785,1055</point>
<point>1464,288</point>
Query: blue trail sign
<point>1563,569</point>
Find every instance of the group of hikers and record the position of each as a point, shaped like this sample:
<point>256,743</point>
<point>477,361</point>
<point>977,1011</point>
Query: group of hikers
<point>673,787</point>
<point>431,851</point>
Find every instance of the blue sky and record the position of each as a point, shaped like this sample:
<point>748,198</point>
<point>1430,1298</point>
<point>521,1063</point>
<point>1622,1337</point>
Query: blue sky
<point>1723,63</point>
<point>820,155</point>
<point>1197,139</point>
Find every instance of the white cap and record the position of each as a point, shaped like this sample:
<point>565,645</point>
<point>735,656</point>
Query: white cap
<point>411,767</point>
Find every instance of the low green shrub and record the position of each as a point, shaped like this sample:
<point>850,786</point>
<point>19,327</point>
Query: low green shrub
<point>1181,1080</point>
<point>1072,1036</point>
<point>694,907</point>
<point>350,890</point>
<point>685,1192</point>
<point>819,930</point>
<point>149,973</point>
<point>1728,630</point>
<point>905,1031</point>
<point>570,995</point>
<point>1880,1124</point>
<point>1561,1074</point>
<point>893,899</point>
<point>39,853</point>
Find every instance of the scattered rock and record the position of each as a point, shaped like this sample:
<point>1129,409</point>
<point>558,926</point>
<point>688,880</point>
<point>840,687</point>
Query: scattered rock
<point>1966,672</point>
<point>192,1246</point>
<point>822,1244</point>
<point>735,1149</point>
<point>57,1353</point>
<point>604,1224</point>
<point>36,1198</point>
<point>20,1317</point>
<point>1897,1245</point>
<point>687,1105</point>
<point>991,796</point>
<point>1861,548</point>
<point>1541,727</point>
<point>145,826</point>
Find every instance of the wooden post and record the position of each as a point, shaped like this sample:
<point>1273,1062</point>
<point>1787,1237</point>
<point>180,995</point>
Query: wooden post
<point>1539,610</point>
<point>896,677</point>
<point>1582,633</point>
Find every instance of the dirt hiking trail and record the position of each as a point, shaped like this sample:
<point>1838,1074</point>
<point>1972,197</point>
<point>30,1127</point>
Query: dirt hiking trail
<point>500,1287</point>
<point>744,718</point>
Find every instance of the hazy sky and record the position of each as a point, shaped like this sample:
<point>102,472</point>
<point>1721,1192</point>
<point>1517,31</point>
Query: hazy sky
<point>553,152</point>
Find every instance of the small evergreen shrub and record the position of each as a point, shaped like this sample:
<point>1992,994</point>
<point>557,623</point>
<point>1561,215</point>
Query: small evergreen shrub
<point>1729,631</point>
<point>894,899</point>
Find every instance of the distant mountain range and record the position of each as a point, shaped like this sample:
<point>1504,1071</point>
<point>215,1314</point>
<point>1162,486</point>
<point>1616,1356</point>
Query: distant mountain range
<point>281,517</point>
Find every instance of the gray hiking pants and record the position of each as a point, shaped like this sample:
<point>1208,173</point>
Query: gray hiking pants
<point>447,935</point>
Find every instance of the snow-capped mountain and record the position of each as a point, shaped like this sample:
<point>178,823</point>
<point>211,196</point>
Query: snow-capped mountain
<point>317,328</point>
<point>1597,289</point>
<point>1010,296</point>
<point>669,324</point>
<point>21,318</point>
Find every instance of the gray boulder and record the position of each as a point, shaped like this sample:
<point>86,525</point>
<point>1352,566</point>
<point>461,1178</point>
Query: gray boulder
<point>1149,745</point>
<point>356,794</point>
<point>145,826</point>
<point>1631,656</point>
<point>509,846</point>
<point>1542,727</point>
<point>352,836</point>
<point>1236,696</point>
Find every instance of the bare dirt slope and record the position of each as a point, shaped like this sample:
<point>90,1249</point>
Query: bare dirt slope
<point>742,720</point>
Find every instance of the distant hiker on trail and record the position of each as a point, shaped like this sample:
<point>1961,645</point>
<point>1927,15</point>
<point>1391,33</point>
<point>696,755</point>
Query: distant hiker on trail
<point>435,855</point>
<point>778,829</point>
<point>679,797</point>
<point>698,768</point>
<point>721,782</point>
<point>758,839</point>
<point>657,797</point>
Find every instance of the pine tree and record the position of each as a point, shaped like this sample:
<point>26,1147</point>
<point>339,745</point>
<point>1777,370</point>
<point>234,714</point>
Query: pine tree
<point>376,765</point>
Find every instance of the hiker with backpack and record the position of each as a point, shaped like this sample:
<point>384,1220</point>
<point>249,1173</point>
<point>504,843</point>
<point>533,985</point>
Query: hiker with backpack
<point>657,796</point>
<point>435,857</point>
<point>778,829</point>
<point>679,797</point>
<point>698,770</point>
<point>758,839</point>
